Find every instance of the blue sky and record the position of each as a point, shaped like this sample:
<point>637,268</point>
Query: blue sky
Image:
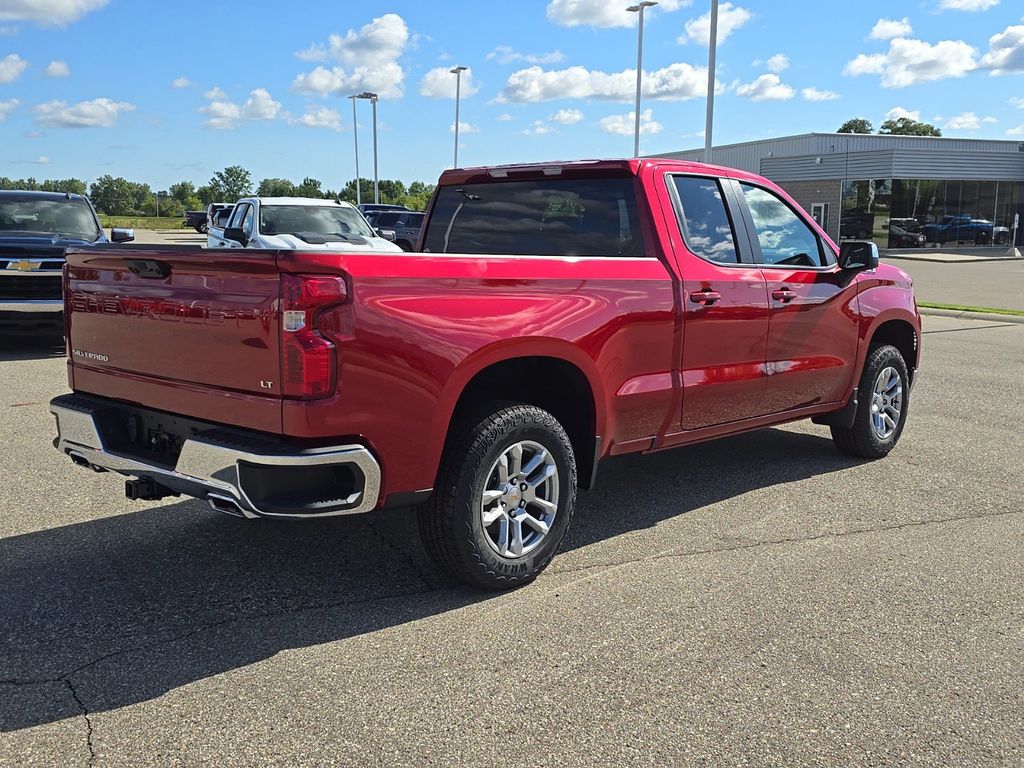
<point>159,92</point>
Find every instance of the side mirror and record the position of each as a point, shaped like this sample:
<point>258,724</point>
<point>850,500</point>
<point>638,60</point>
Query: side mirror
<point>237,234</point>
<point>858,255</point>
<point>121,235</point>
<point>387,234</point>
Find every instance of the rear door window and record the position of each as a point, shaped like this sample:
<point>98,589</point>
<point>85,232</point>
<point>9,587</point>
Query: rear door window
<point>542,217</point>
<point>704,220</point>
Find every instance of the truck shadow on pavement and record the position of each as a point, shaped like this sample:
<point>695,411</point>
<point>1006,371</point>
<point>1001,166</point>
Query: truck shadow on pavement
<point>120,610</point>
<point>12,349</point>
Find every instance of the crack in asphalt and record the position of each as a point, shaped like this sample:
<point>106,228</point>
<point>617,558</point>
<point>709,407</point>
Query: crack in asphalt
<point>668,554</point>
<point>665,554</point>
<point>85,715</point>
<point>406,556</point>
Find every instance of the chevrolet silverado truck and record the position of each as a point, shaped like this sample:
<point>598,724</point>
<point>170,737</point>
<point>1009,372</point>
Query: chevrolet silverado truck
<point>552,315</point>
<point>35,229</point>
<point>297,222</point>
<point>960,229</point>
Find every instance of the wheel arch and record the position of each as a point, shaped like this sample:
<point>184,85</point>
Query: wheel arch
<point>556,377</point>
<point>900,333</point>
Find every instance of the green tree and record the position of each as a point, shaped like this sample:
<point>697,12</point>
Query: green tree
<point>856,125</point>
<point>206,195</point>
<point>276,188</point>
<point>112,196</point>
<point>348,194</point>
<point>74,186</point>
<point>184,192</point>
<point>309,187</point>
<point>904,126</point>
<point>231,183</point>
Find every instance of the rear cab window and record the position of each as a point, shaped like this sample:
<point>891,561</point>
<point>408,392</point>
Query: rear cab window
<point>540,217</point>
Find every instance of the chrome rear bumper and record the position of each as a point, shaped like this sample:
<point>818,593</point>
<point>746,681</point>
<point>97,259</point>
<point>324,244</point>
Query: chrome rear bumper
<point>231,476</point>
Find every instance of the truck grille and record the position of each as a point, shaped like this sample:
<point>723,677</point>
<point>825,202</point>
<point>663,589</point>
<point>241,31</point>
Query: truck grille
<point>31,287</point>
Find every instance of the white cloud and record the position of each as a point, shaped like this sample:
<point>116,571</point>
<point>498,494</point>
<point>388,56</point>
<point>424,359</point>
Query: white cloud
<point>766,88</point>
<point>42,160</point>
<point>778,62</point>
<point>11,67</point>
<point>367,60</point>
<point>381,41</point>
<point>504,117</point>
<point>908,62</point>
<point>180,82</point>
<point>1017,101</point>
<point>886,29</point>
<point>968,5</point>
<point>538,128</point>
<point>1005,51</point>
<point>1018,131</point>
<point>505,54</point>
<point>897,112</point>
<point>601,13</point>
<point>6,107</point>
<point>676,82</point>
<point>730,18</point>
<point>260,106</point>
<point>623,125</point>
<point>464,127</point>
<point>439,83</point>
<point>47,12</point>
<point>97,113</point>
<point>967,121</point>
<point>813,94</point>
<point>57,69</point>
<point>386,80</point>
<point>223,114</point>
<point>318,117</point>
<point>566,117</point>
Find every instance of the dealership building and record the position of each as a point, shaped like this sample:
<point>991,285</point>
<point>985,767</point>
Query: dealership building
<point>894,189</point>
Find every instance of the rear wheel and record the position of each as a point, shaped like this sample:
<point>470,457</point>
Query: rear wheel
<point>504,499</point>
<point>882,407</point>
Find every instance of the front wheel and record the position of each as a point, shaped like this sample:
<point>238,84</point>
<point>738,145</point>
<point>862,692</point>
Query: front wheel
<point>504,498</point>
<point>884,399</point>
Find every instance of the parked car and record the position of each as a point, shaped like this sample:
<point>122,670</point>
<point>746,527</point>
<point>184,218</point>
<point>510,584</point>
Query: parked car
<point>856,224</point>
<point>905,233</point>
<point>400,227</point>
<point>560,313</point>
<point>197,220</point>
<point>959,229</point>
<point>297,222</point>
<point>35,229</point>
<point>215,230</point>
<point>365,208</point>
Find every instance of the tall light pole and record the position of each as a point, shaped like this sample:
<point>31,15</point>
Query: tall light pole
<point>376,180</point>
<point>712,46</point>
<point>355,138</point>
<point>639,8</point>
<point>457,71</point>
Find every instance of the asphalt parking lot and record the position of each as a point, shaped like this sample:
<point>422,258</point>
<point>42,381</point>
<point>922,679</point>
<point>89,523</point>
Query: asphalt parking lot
<point>761,600</point>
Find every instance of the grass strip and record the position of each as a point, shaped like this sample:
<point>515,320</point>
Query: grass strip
<point>968,308</point>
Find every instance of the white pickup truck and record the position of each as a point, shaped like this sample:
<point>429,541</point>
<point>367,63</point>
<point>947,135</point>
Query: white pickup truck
<point>304,223</point>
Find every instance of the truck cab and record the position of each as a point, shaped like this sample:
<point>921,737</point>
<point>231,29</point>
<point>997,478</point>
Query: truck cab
<point>291,223</point>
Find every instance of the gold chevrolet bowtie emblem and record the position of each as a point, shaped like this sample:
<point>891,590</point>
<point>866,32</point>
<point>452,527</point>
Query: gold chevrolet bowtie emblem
<point>27,266</point>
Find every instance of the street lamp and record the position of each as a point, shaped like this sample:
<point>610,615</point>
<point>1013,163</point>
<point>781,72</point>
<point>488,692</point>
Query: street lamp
<point>372,97</point>
<point>712,46</point>
<point>457,71</point>
<point>639,8</point>
<point>355,137</point>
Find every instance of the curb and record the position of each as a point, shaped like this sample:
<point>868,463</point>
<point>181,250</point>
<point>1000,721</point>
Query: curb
<point>962,315</point>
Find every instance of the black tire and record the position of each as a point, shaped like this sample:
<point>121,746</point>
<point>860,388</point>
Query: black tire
<point>861,440</point>
<point>450,523</point>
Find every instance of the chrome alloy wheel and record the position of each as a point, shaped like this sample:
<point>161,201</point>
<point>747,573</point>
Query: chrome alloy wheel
<point>520,499</point>
<point>886,403</point>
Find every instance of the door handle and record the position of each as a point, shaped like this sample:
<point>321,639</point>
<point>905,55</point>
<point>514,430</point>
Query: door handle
<point>705,297</point>
<point>785,295</point>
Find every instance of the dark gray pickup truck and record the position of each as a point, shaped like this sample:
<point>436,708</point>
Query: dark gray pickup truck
<point>35,230</point>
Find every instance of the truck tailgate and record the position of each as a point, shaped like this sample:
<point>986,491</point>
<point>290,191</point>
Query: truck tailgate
<point>186,330</point>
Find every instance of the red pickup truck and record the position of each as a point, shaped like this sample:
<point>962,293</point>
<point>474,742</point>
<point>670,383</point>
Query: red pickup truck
<point>552,315</point>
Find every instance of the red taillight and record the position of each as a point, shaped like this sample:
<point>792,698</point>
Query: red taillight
<point>308,359</point>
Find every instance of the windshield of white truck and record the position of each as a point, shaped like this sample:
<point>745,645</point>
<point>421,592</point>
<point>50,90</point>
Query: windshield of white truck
<point>312,220</point>
<point>71,218</point>
<point>542,217</point>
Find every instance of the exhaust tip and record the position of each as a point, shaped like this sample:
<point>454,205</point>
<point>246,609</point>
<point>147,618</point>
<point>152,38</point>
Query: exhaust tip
<point>224,505</point>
